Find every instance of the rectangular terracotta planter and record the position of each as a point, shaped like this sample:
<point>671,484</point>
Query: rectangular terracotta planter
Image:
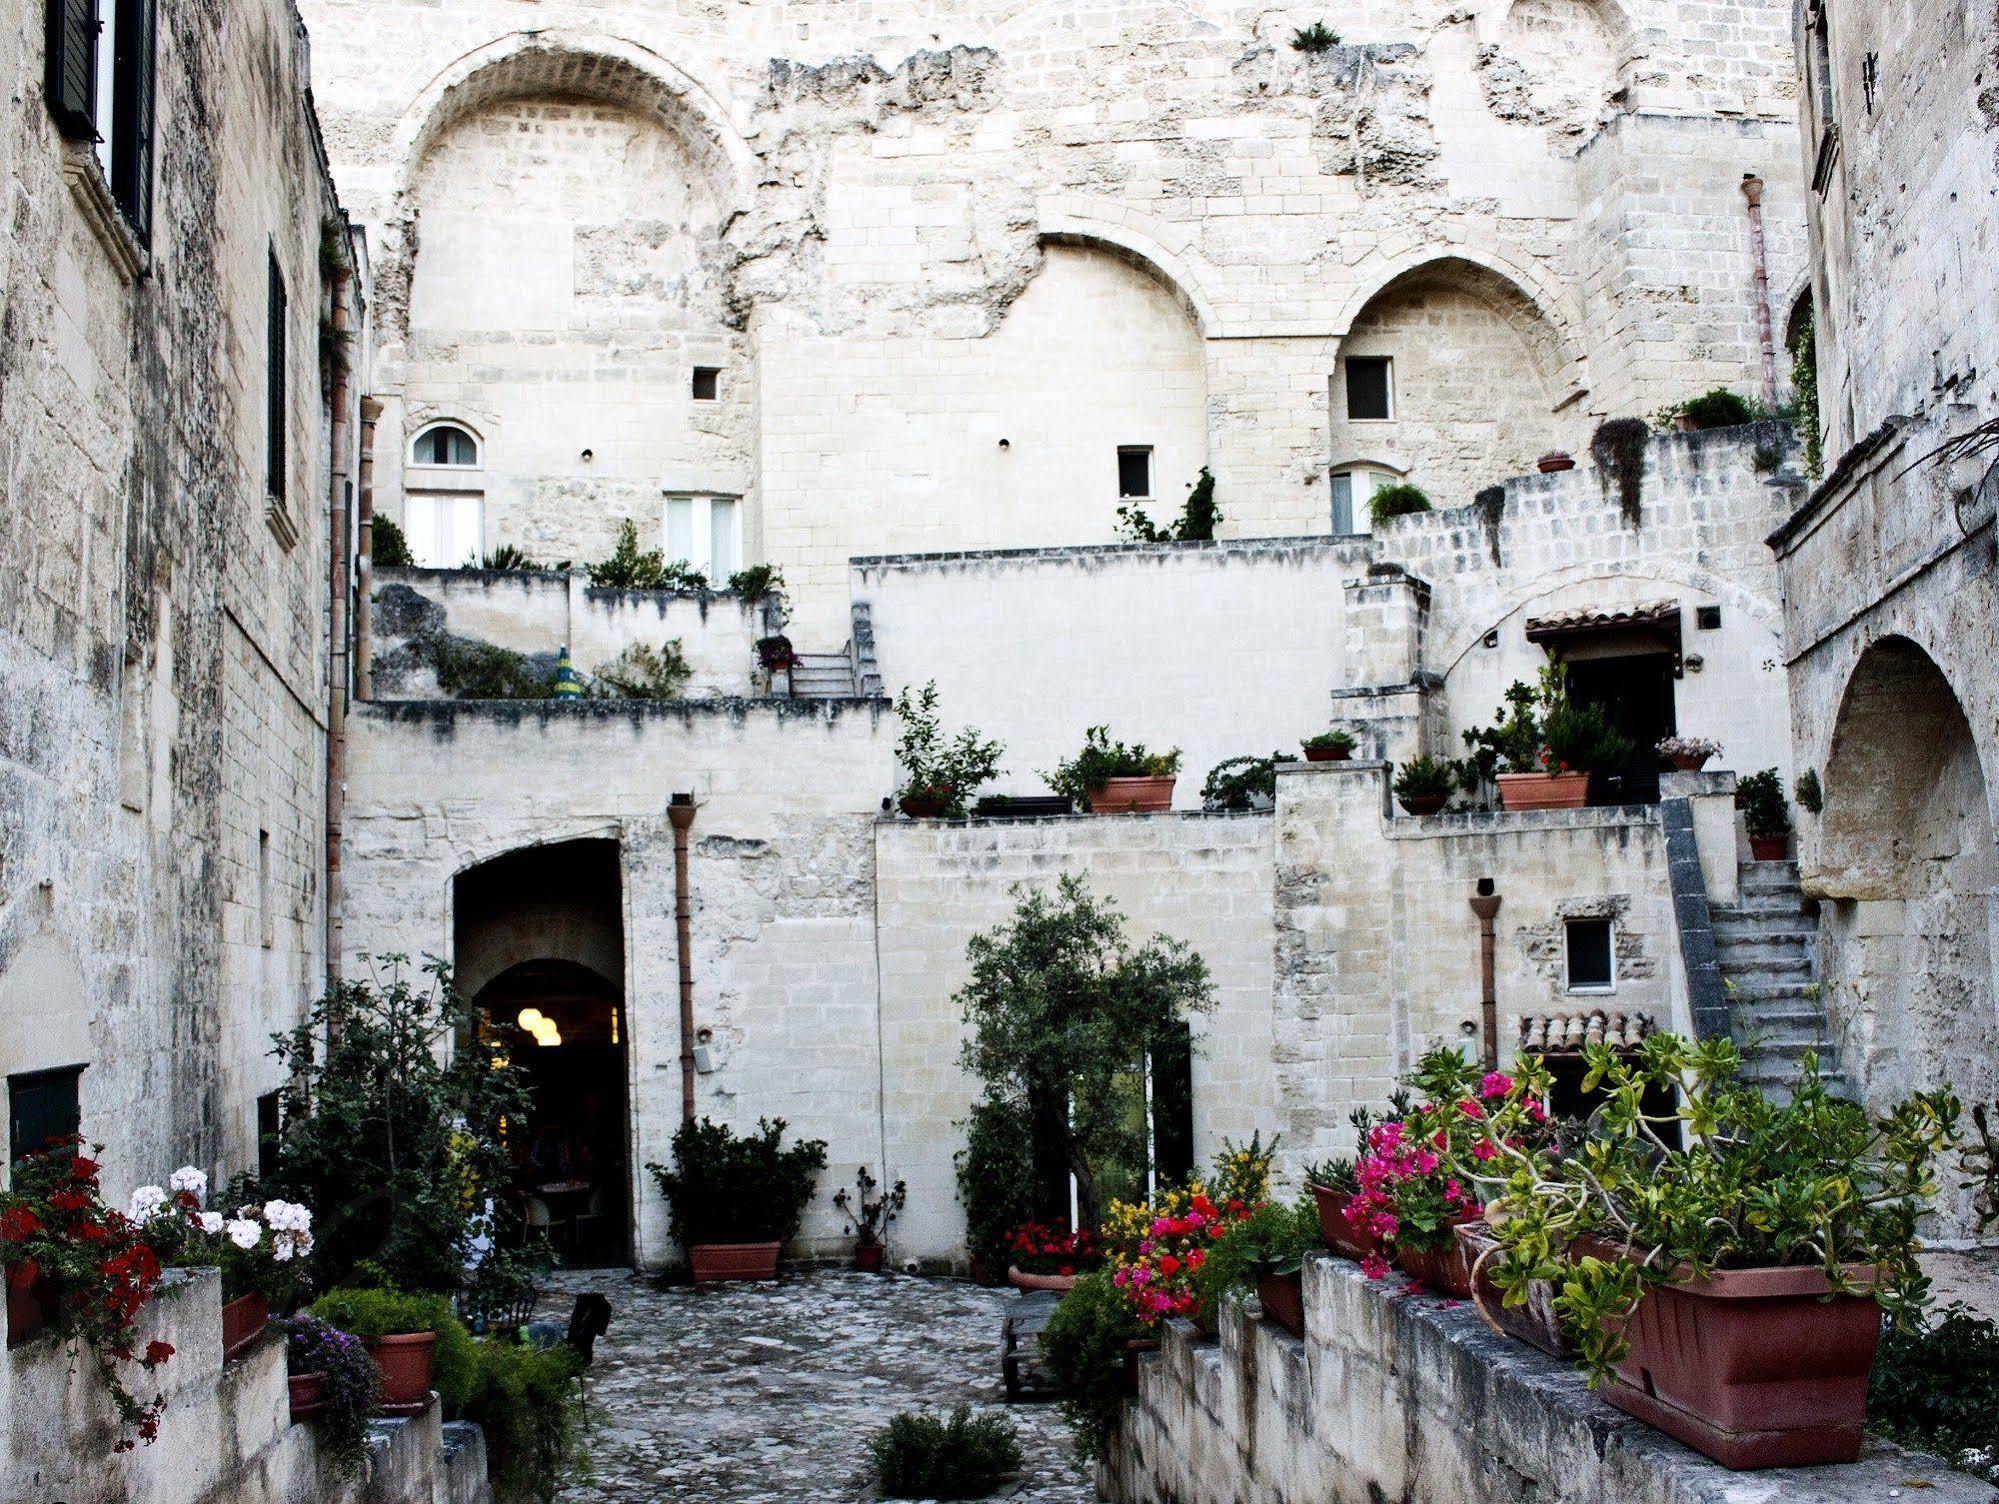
<point>1341,1235</point>
<point>243,1321</point>
<point>1543,790</point>
<point>1753,1367</point>
<point>1282,1297</point>
<point>710,1262</point>
<point>1446,1269</point>
<point>1534,1323</point>
<point>1132,796</point>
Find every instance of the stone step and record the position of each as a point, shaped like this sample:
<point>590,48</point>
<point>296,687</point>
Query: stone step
<point>1776,919</point>
<point>1769,877</point>
<point>1762,1035</point>
<point>1756,905</point>
<point>1783,945</point>
<point>1753,992</point>
<point>1791,966</point>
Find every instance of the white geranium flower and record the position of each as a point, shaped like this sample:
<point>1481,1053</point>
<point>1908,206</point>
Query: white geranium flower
<point>211,1222</point>
<point>188,1178</point>
<point>146,1200</point>
<point>281,1250</point>
<point>244,1233</point>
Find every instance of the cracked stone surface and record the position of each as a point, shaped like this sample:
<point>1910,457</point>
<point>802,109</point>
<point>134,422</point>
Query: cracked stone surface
<point>766,1394</point>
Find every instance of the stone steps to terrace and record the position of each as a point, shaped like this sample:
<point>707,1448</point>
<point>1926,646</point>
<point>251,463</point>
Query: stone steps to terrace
<point>822,676</point>
<point>1767,948</point>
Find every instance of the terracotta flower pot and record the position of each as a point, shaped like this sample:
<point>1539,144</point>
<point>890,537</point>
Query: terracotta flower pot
<point>1134,1349</point>
<point>1753,1367</point>
<point>1556,460</point>
<point>1534,1323</point>
<point>710,1262</point>
<point>29,1307</point>
<point>868,1257</point>
<point>1447,1269</point>
<point>1684,424</point>
<point>1020,1279</point>
<point>1543,790</point>
<point>404,1363</point>
<point>1769,848</point>
<point>1134,796</point>
<point>243,1321</point>
<point>1282,1297</point>
<point>1422,804</point>
<point>308,1394</point>
<point>1341,1235</point>
<point>925,806</point>
<point>1690,763</point>
<point>1328,754</point>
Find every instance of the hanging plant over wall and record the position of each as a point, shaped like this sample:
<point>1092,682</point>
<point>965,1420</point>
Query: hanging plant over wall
<point>1491,505</point>
<point>1618,447</point>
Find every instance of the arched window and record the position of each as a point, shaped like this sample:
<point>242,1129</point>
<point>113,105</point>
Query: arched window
<point>445,444</point>
<point>1353,486</point>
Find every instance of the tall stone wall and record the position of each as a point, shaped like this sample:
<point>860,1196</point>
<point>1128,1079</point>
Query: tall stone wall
<point>162,657</point>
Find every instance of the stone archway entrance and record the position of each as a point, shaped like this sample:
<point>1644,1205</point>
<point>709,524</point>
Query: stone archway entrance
<point>1908,863</point>
<point>540,950</point>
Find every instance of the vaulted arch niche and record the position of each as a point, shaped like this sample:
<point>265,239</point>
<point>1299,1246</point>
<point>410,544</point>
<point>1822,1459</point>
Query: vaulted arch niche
<point>1475,371</point>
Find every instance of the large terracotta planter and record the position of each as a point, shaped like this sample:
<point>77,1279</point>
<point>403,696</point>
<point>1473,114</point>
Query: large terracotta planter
<point>1134,1349</point>
<point>308,1394</point>
<point>1555,461</point>
<point>1328,754</point>
<point>868,1257</point>
<point>1341,1235</point>
<point>404,1363</point>
<point>1534,1323</point>
<point>1020,1279</point>
<point>712,1262</point>
<point>1689,763</point>
<point>1769,848</point>
<point>1282,1297</point>
<point>243,1321</point>
<point>1543,790</point>
<point>1753,1367</point>
<point>29,1307</point>
<point>1447,1269</point>
<point>1133,796</point>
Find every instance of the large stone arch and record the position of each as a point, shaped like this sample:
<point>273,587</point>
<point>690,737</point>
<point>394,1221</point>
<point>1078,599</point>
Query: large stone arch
<point>1163,252</point>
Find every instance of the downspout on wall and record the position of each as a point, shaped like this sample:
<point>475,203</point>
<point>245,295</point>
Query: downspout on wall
<point>338,500</point>
<point>364,557</point>
<point>681,813</point>
<point>1752,190</point>
<point>1485,904</point>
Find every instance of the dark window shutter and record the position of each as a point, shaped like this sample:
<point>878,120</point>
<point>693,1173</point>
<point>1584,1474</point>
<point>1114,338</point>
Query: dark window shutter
<point>41,1105</point>
<point>132,115</point>
<point>71,83</point>
<point>274,386</point>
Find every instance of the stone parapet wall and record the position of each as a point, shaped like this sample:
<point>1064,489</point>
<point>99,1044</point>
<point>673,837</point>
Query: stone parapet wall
<point>1392,1395</point>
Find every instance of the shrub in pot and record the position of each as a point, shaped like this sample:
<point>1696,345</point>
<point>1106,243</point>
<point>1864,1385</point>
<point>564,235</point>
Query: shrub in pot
<point>868,1216</point>
<point>1335,1183</point>
<point>1083,1349</point>
<point>1718,408</point>
<point>334,1384</point>
<point>939,775</point>
<point>528,1399</point>
<point>917,1456</point>
<point>1544,746</point>
<point>735,1199</point>
<point>1110,777</point>
<point>1242,783</point>
<point>1330,746</point>
<point>1727,1289</point>
<point>1766,815</point>
<point>1423,785</point>
<point>1263,1251</point>
<point>416,1341</point>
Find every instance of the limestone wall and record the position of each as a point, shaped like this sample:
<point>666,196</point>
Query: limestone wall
<point>1392,1395</point>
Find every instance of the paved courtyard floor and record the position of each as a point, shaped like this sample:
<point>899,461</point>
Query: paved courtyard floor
<point>765,1394</point>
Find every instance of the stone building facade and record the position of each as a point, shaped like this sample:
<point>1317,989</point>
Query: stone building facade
<point>1889,567</point>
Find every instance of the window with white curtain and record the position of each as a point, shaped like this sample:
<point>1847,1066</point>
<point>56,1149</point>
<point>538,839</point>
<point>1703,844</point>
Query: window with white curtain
<point>1353,487</point>
<point>705,532</point>
<point>445,529</point>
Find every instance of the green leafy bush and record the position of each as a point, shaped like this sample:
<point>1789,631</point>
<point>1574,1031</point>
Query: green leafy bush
<point>1340,743</point>
<point>758,582</point>
<point>1424,778</point>
<point>1101,759</point>
<point>1542,729</point>
<point>1719,408</point>
<point>388,548</point>
<point>481,671</point>
<point>370,1315</point>
<point>509,559</point>
<point>933,767</point>
<point>1805,383</point>
<point>996,1180</point>
<point>1398,500</point>
<point>1765,810</point>
<point>644,672</point>
<point>633,568</point>
<point>1199,516</point>
<point>1935,1387</point>
<point>1242,783</point>
<point>730,1188</point>
<point>917,1456</point>
<point>1273,1239</point>
<point>1318,37</point>
<point>1083,1348</point>
<point>529,1402</point>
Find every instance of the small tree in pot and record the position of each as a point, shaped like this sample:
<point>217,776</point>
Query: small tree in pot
<point>1766,815</point>
<point>869,1215</point>
<point>1330,746</point>
<point>736,1199</point>
<point>1423,785</point>
<point>940,775</point>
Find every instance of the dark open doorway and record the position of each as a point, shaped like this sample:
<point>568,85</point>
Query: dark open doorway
<point>540,950</point>
<point>1636,693</point>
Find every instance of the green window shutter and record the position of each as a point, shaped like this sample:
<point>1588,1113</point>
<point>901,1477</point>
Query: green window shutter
<point>132,115</point>
<point>71,82</point>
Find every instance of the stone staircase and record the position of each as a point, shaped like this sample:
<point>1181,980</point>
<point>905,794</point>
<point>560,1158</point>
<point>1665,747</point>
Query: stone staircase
<point>1767,947</point>
<point>822,676</point>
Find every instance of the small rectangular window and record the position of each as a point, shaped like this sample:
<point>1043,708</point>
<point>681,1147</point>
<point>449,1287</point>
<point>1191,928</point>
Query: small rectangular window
<point>1370,396</point>
<point>267,1135</point>
<point>42,1106</point>
<point>707,383</point>
<point>1134,472</point>
<point>1707,618</point>
<point>1590,968</point>
<point>266,928</point>
<point>277,313</point>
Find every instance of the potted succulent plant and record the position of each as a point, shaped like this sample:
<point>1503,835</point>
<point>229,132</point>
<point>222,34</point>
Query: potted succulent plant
<point>333,1382</point>
<point>1722,1269</point>
<point>735,1199</point>
<point>1766,815</point>
<point>1423,785</point>
<point>1041,1256</point>
<point>416,1342</point>
<point>1108,777</point>
<point>868,1216</point>
<point>939,775</point>
<point>1330,746</point>
<point>1542,750</point>
<point>1688,753</point>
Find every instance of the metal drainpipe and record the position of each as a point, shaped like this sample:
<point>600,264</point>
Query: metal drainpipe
<point>681,812</point>
<point>1752,190</point>
<point>1485,904</point>
<point>337,656</point>
<point>364,557</point>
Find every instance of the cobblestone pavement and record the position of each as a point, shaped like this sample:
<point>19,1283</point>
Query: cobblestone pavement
<point>765,1394</point>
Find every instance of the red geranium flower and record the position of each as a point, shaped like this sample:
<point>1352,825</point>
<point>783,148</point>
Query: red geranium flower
<point>18,1224</point>
<point>83,1168</point>
<point>157,1352</point>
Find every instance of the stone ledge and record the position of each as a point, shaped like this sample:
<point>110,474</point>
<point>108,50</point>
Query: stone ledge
<point>444,714</point>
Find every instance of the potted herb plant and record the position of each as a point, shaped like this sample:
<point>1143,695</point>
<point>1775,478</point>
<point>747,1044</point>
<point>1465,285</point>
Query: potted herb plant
<point>1330,746</point>
<point>1723,1270</point>
<point>415,1341</point>
<point>1766,815</point>
<point>333,1383</point>
<point>1041,1256</point>
<point>1110,777</point>
<point>868,1216</point>
<point>939,775</point>
<point>1688,753</point>
<point>735,1198</point>
<point>1423,785</point>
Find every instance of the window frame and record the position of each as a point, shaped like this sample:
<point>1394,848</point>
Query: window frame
<point>1149,454</point>
<point>440,496</point>
<point>1388,393</point>
<point>21,1081</point>
<point>478,448</point>
<point>277,380</point>
<point>714,374</point>
<point>100,73</point>
<point>1589,989</point>
<point>700,554</point>
<point>1362,527</point>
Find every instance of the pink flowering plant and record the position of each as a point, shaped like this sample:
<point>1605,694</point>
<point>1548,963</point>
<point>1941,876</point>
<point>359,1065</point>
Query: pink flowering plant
<point>1157,1249</point>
